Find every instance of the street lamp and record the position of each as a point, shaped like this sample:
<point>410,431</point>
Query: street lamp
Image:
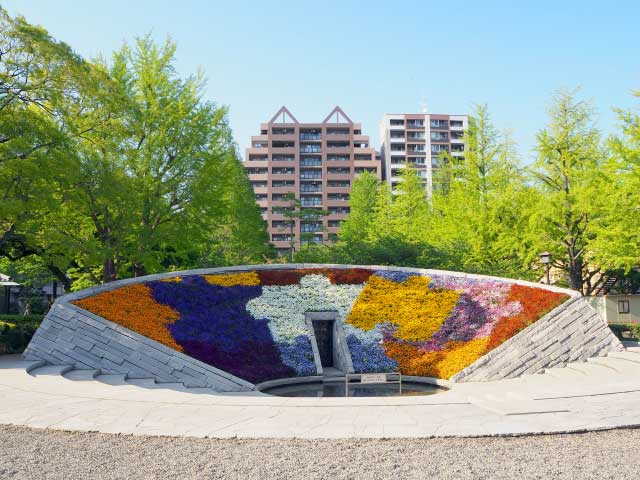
<point>546,258</point>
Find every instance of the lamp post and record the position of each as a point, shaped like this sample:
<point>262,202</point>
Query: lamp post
<point>546,258</point>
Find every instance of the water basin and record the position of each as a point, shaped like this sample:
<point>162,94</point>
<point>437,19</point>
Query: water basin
<point>337,389</point>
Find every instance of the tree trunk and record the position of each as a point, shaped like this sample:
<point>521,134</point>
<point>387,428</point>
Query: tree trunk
<point>108,270</point>
<point>575,276</point>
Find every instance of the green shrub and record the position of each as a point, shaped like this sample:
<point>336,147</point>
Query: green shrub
<point>626,331</point>
<point>16,332</point>
<point>21,319</point>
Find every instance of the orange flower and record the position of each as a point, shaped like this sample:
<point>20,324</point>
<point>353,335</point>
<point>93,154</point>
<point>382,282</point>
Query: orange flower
<point>134,308</point>
<point>439,364</point>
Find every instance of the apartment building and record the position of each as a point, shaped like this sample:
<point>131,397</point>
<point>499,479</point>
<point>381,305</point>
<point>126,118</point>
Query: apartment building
<point>318,162</point>
<point>419,140</point>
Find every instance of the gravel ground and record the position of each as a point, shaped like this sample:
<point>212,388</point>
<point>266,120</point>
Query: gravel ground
<point>42,454</point>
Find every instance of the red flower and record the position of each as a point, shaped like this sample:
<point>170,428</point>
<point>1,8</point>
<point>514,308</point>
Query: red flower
<point>535,303</point>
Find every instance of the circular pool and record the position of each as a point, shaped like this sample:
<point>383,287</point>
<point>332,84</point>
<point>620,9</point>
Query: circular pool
<point>338,389</point>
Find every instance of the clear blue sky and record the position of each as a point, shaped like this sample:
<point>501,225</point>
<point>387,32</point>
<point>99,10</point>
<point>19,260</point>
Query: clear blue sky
<point>373,57</point>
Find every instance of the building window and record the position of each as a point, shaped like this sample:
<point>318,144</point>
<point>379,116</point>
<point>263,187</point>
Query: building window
<point>623,306</point>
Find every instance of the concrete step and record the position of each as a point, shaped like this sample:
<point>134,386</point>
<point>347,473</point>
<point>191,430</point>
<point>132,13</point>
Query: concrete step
<point>112,379</point>
<point>628,356</point>
<point>634,350</point>
<point>565,373</point>
<point>51,370</point>
<point>575,366</point>
<point>142,382</point>
<point>617,365</point>
<point>513,403</point>
<point>81,375</point>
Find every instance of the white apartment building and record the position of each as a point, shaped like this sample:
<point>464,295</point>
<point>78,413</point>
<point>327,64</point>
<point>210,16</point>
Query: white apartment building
<point>418,139</point>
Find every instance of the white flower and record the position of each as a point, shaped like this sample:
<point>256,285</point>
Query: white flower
<point>285,306</point>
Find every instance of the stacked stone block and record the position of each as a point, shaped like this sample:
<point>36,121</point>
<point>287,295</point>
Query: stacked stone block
<point>72,336</point>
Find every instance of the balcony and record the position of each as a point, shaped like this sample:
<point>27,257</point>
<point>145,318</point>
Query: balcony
<point>317,239</point>
<point>310,162</point>
<point>310,136</point>
<point>342,197</point>
<point>338,171</point>
<point>335,144</point>
<point>305,188</point>
<point>338,210</point>
<point>311,175</point>
<point>310,227</point>
<point>283,171</point>
<point>338,158</point>
<point>333,131</point>
<point>283,158</point>
<point>283,131</point>
<point>310,149</point>
<point>439,124</point>
<point>439,137</point>
<point>278,237</point>
<point>437,149</point>
<point>310,202</point>
<point>338,184</point>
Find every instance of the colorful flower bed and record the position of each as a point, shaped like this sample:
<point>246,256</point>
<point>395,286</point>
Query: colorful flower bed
<point>252,324</point>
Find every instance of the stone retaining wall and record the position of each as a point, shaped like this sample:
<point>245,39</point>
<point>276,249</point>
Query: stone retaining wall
<point>572,332</point>
<point>72,336</point>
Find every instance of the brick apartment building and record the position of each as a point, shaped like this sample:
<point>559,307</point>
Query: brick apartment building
<point>318,162</point>
<point>419,140</point>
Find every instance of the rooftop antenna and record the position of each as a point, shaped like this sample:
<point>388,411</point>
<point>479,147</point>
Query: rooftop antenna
<point>423,106</point>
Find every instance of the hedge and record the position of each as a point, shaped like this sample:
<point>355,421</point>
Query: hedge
<point>16,332</point>
<point>626,331</point>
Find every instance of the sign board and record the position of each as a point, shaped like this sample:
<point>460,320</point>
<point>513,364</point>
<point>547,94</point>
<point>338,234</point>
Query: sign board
<point>373,378</point>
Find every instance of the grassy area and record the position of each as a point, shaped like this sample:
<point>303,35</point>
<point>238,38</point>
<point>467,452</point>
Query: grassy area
<point>16,332</point>
<point>626,331</point>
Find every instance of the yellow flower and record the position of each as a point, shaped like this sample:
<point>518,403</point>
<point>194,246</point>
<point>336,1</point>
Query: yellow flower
<point>172,280</point>
<point>231,279</point>
<point>459,355</point>
<point>417,310</point>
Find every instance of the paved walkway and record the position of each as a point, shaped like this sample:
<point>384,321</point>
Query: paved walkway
<point>600,394</point>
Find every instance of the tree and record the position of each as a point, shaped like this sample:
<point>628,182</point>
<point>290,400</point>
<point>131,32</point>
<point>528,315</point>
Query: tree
<point>296,212</point>
<point>112,170</point>
<point>48,99</point>
<point>362,201</point>
<point>567,173</point>
<point>475,207</point>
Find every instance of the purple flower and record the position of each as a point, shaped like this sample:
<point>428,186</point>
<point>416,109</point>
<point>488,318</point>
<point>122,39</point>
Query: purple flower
<point>215,328</point>
<point>298,355</point>
<point>395,275</point>
<point>369,356</point>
